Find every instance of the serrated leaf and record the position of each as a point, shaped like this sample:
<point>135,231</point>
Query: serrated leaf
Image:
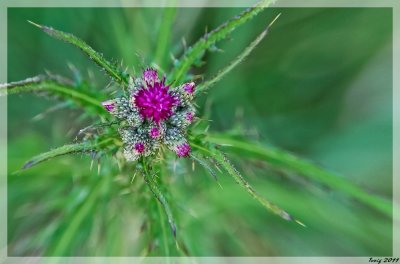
<point>111,69</point>
<point>207,84</point>
<point>195,52</point>
<point>51,86</point>
<point>227,165</point>
<point>205,165</point>
<point>284,160</point>
<point>237,176</point>
<point>60,151</point>
<point>83,147</point>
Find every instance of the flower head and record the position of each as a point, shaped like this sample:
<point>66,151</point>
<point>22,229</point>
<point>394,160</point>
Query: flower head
<point>154,100</point>
<point>155,114</point>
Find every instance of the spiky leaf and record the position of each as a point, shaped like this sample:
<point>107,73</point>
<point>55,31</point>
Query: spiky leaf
<point>111,69</point>
<point>225,163</point>
<point>207,84</point>
<point>195,52</point>
<point>205,165</point>
<point>60,151</point>
<point>82,147</point>
<point>55,87</point>
<point>284,160</point>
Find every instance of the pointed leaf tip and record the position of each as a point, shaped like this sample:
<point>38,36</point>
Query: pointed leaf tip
<point>285,215</point>
<point>110,68</point>
<point>207,84</point>
<point>300,223</point>
<point>28,164</point>
<point>273,21</point>
<point>197,51</point>
<point>35,24</point>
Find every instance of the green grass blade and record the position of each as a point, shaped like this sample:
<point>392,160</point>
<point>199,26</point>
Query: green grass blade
<point>111,69</point>
<point>207,84</point>
<point>164,36</point>
<point>52,86</point>
<point>160,197</point>
<point>67,236</point>
<point>198,49</point>
<point>163,229</point>
<point>285,160</point>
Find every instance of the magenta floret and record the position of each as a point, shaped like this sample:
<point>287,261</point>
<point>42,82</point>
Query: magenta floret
<point>139,147</point>
<point>183,150</point>
<point>155,103</point>
<point>154,132</point>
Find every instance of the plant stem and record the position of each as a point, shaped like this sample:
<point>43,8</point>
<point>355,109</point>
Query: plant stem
<point>159,196</point>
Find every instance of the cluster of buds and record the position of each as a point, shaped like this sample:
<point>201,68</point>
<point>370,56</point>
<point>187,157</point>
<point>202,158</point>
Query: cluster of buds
<point>154,115</point>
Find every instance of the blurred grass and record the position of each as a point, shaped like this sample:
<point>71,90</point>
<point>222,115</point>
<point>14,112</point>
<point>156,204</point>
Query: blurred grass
<point>319,85</point>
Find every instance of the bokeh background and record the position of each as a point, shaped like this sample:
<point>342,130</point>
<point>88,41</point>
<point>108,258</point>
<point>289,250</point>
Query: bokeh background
<point>319,86</point>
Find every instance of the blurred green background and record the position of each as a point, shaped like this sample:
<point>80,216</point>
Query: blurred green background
<point>319,86</point>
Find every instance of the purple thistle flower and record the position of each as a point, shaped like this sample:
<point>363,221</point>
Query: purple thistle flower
<point>182,150</point>
<point>154,115</point>
<point>155,102</point>
<point>139,147</point>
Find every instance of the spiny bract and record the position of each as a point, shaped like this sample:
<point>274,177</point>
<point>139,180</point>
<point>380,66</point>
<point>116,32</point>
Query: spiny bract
<point>155,115</point>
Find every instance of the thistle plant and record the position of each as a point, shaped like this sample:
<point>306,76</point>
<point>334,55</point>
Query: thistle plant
<point>148,120</point>
<point>155,114</point>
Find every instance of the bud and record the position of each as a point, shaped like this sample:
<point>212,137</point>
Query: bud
<point>189,87</point>
<point>154,132</point>
<point>182,150</point>
<point>139,147</point>
<point>109,105</point>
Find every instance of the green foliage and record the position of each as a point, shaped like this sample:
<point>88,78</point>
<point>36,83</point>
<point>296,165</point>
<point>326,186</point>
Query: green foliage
<point>83,147</point>
<point>242,56</point>
<point>284,160</point>
<point>196,52</point>
<point>150,181</point>
<point>222,160</point>
<point>61,246</point>
<point>163,41</point>
<point>60,151</point>
<point>109,68</point>
<point>55,86</point>
<point>114,212</point>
